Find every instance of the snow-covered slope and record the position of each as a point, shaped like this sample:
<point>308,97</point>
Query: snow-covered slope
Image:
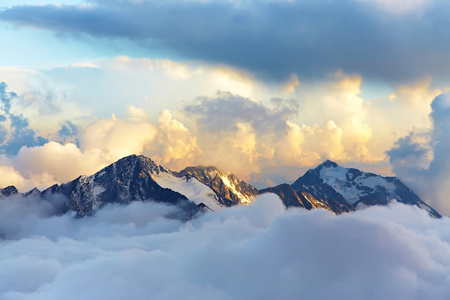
<point>353,184</point>
<point>229,189</point>
<point>190,187</point>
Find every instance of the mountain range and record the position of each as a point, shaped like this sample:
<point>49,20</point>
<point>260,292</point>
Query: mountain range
<point>196,189</point>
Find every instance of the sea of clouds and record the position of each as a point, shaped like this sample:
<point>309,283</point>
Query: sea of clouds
<point>260,251</point>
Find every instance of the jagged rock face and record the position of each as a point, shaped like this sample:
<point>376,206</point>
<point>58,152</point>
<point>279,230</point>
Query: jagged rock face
<point>33,192</point>
<point>344,189</point>
<point>292,198</point>
<point>8,191</point>
<point>129,179</point>
<point>288,195</point>
<point>312,184</point>
<point>229,189</point>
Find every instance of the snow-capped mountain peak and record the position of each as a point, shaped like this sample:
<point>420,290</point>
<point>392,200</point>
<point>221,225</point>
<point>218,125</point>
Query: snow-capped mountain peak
<point>334,183</point>
<point>129,179</point>
<point>138,178</point>
<point>353,184</point>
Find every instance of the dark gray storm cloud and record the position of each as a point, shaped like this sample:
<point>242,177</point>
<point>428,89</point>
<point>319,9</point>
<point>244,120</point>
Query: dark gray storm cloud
<point>260,251</point>
<point>271,38</point>
<point>19,134</point>
<point>225,110</point>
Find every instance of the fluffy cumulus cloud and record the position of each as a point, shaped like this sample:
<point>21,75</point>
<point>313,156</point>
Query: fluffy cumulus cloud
<point>86,144</point>
<point>10,176</point>
<point>422,156</point>
<point>236,132</point>
<point>117,138</point>
<point>343,113</point>
<point>259,251</point>
<point>177,147</point>
<point>254,136</point>
<point>331,121</point>
<point>369,126</point>
<point>274,38</point>
<point>54,162</point>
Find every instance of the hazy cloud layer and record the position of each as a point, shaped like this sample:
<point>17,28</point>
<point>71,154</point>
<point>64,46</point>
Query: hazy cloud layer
<point>273,38</point>
<point>259,251</point>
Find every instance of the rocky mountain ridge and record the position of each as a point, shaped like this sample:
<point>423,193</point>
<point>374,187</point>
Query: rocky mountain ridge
<point>343,190</point>
<point>137,178</point>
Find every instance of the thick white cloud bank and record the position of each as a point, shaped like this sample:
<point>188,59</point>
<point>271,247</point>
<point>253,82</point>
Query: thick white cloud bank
<point>261,251</point>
